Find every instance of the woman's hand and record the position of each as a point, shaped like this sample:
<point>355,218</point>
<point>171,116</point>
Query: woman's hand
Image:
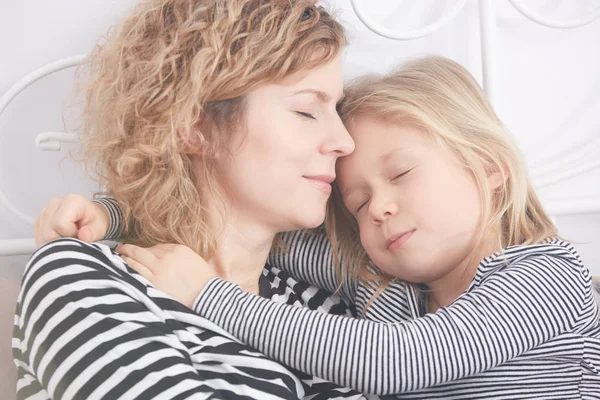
<point>71,216</point>
<point>172,268</point>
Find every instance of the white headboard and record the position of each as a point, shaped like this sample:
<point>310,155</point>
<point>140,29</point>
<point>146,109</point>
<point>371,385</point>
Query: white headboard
<point>567,165</point>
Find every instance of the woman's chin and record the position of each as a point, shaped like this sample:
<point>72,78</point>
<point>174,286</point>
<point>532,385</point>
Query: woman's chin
<point>311,221</point>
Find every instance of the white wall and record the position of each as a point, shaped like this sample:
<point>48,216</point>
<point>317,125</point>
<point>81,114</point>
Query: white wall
<point>32,34</point>
<point>548,90</point>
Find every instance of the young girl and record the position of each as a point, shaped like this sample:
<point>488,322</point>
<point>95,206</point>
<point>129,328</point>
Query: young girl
<point>463,288</point>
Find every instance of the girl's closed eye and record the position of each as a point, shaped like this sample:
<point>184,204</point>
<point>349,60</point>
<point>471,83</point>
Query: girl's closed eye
<point>401,174</point>
<point>360,206</point>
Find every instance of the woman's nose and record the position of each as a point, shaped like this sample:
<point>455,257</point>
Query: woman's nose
<point>339,140</point>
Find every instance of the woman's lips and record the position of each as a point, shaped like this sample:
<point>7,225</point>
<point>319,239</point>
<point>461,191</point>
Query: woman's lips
<point>396,242</point>
<point>322,182</point>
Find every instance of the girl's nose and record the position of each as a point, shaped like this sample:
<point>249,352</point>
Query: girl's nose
<point>381,209</point>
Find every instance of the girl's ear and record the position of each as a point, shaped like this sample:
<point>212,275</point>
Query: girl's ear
<point>496,177</point>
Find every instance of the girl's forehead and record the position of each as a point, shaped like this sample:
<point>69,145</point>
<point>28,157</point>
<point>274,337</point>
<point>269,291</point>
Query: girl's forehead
<point>385,142</point>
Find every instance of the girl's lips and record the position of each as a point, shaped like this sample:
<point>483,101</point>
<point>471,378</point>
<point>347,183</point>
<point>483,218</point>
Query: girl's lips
<point>396,242</point>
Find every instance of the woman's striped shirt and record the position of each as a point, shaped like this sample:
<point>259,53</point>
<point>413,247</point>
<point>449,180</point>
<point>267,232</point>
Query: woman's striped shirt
<point>88,327</point>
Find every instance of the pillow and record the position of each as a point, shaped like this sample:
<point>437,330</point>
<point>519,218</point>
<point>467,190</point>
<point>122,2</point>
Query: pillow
<point>9,290</point>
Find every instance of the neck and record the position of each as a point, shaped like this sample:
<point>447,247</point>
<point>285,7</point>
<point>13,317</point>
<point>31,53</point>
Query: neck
<point>241,253</point>
<point>445,290</point>
<point>242,243</point>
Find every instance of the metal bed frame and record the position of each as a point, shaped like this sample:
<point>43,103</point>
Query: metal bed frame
<point>568,164</point>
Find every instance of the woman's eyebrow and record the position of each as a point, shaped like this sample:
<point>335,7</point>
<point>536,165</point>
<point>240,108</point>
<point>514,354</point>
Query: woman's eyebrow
<point>321,95</point>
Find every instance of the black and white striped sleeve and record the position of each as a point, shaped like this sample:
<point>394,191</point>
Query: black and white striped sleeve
<point>115,224</point>
<point>308,257</point>
<point>86,329</point>
<point>517,309</point>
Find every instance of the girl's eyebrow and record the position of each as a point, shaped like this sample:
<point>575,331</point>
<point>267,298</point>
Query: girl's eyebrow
<point>398,150</point>
<point>349,190</point>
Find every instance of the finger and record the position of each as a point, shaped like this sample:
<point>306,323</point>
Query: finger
<point>94,219</point>
<point>139,254</point>
<point>158,252</point>
<point>47,232</point>
<point>63,221</point>
<point>85,234</point>
<point>138,267</point>
<point>161,249</point>
<point>71,215</point>
<point>172,249</point>
<point>165,246</point>
<point>53,204</point>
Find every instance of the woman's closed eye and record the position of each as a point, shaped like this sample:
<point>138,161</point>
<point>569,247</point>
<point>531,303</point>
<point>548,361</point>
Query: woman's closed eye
<point>305,115</point>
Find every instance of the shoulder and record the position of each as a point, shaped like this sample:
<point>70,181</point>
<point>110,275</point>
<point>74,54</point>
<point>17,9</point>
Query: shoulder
<point>65,252</point>
<point>551,253</point>
<point>67,260</point>
<point>553,260</point>
<point>68,277</point>
<point>551,248</point>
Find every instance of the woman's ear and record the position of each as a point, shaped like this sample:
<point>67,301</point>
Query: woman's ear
<point>192,139</point>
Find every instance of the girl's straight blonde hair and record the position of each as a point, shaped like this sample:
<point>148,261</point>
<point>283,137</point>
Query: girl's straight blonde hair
<point>443,99</point>
<point>174,66</point>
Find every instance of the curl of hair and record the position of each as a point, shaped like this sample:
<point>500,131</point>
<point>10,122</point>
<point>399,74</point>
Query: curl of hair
<point>442,98</point>
<point>175,72</point>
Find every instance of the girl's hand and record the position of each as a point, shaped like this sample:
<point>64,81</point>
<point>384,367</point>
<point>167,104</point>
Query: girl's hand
<point>71,216</point>
<point>172,268</point>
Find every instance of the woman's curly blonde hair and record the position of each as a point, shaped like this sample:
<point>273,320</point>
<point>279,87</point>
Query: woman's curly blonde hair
<point>173,75</point>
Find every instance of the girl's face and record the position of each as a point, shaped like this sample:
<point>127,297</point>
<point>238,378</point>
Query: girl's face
<point>283,160</point>
<point>417,208</point>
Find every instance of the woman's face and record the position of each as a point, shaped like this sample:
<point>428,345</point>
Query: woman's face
<point>283,159</point>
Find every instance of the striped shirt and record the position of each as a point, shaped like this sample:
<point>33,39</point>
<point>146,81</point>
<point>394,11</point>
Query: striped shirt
<point>89,327</point>
<point>527,327</point>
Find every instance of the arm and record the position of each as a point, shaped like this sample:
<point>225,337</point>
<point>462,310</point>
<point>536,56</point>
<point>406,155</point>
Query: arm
<point>115,217</point>
<point>520,307</point>
<point>78,217</point>
<point>86,328</point>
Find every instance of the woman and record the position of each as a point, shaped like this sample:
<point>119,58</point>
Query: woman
<point>189,105</point>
